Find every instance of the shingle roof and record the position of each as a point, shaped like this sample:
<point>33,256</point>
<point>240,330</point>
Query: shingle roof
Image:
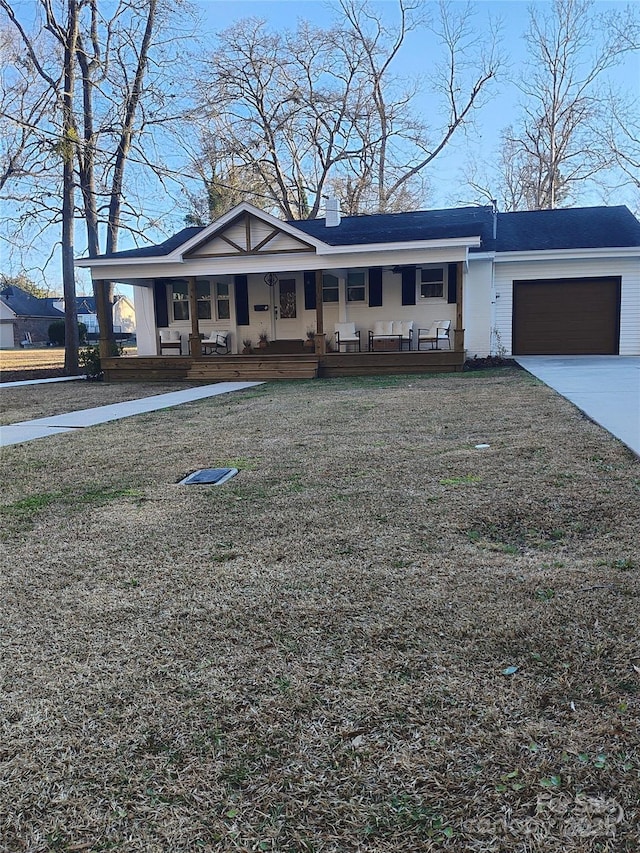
<point>567,228</point>
<point>404,227</point>
<point>160,249</point>
<point>24,304</point>
<point>570,228</point>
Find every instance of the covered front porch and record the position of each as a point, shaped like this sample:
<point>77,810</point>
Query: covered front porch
<point>291,300</point>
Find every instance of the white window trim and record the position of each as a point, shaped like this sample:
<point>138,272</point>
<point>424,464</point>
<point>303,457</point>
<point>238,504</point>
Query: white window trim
<point>432,299</point>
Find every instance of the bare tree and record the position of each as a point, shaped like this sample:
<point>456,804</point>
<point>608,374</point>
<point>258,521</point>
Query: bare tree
<point>314,111</point>
<point>282,108</point>
<point>24,94</point>
<point>57,85</point>
<point>110,110</point>
<point>95,52</point>
<point>558,146</point>
<point>397,146</point>
<point>620,134</point>
<point>225,178</point>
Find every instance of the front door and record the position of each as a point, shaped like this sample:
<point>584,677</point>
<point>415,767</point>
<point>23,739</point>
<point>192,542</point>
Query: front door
<point>286,310</point>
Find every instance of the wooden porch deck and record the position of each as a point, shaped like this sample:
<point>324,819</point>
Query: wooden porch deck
<point>284,366</point>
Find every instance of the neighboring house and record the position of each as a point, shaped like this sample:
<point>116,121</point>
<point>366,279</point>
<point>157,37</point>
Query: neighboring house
<point>552,282</point>
<point>24,317</point>
<point>124,315</point>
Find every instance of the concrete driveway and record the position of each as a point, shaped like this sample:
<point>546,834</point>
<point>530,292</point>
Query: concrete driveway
<point>605,387</point>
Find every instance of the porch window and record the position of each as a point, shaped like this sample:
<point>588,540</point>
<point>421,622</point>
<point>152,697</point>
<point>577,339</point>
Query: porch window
<point>330,291</point>
<point>180,300</point>
<point>355,287</point>
<point>223,310</point>
<point>203,298</point>
<point>432,283</point>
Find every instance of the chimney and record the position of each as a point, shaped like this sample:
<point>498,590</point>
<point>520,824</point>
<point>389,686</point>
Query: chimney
<point>494,206</point>
<point>332,213</point>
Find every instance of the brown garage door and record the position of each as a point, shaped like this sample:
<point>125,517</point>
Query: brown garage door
<point>566,317</point>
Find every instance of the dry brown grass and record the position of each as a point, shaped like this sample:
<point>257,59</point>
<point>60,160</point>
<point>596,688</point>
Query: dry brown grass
<point>313,657</point>
<point>30,361</point>
<point>33,363</point>
<point>40,401</point>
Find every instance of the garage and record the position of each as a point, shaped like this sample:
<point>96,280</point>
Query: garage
<point>566,316</point>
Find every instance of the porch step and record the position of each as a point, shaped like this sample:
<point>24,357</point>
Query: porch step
<point>334,365</point>
<point>254,367</point>
<point>284,347</point>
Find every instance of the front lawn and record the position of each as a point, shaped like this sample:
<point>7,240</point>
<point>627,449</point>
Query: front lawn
<point>377,637</point>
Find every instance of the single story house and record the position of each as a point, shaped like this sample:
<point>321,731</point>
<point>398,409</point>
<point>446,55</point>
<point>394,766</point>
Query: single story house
<point>563,281</point>
<point>25,318</point>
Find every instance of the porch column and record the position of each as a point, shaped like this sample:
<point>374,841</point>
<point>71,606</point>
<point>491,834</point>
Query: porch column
<point>102,308</point>
<point>458,332</point>
<point>195,345</point>
<point>320,340</point>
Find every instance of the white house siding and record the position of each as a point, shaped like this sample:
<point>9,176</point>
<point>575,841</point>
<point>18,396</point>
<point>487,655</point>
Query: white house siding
<point>476,307</point>
<point>630,310</point>
<point>7,326</point>
<point>423,313</point>
<point>506,272</point>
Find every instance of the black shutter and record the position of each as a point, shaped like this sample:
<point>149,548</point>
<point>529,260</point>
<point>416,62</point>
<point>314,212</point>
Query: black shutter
<point>408,285</point>
<point>310,290</point>
<point>375,287</point>
<point>452,284</point>
<point>160,304</point>
<point>242,300</point>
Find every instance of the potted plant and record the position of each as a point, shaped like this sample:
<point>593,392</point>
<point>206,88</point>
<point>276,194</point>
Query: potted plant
<point>310,341</point>
<point>263,339</point>
<point>246,346</point>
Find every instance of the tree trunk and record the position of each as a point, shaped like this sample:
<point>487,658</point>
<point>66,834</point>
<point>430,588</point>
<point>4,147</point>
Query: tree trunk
<point>69,138</point>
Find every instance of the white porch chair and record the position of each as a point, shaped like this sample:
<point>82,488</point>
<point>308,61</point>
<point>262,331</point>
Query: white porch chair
<point>438,331</point>
<point>170,339</point>
<point>216,344</point>
<point>404,328</point>
<point>346,335</point>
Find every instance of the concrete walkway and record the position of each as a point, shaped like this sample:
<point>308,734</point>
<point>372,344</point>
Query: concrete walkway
<point>605,387</point>
<point>40,381</point>
<point>42,427</point>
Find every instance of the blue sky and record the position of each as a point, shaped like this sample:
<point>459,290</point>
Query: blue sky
<point>448,171</point>
<point>219,14</point>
